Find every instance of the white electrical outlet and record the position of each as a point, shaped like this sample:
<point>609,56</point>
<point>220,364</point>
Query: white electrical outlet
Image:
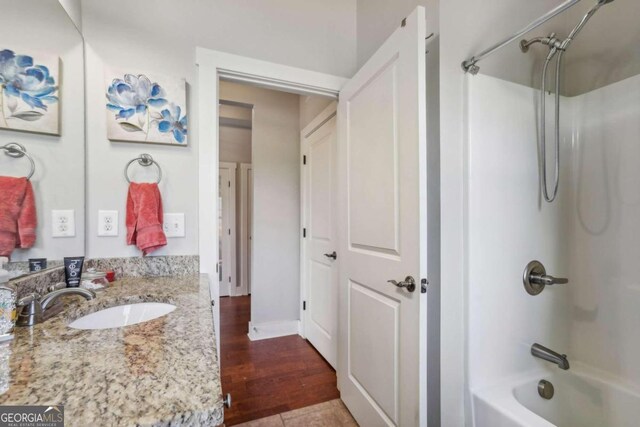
<point>173,224</point>
<point>63,223</point>
<point>107,223</point>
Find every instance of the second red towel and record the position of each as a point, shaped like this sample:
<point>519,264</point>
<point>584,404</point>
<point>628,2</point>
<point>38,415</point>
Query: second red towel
<point>144,217</point>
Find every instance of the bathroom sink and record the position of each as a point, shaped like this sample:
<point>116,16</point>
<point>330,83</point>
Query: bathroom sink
<point>122,315</point>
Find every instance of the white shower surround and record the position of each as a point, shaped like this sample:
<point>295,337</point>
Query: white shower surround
<point>590,235</point>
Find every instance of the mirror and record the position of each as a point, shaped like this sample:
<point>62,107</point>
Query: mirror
<point>42,110</point>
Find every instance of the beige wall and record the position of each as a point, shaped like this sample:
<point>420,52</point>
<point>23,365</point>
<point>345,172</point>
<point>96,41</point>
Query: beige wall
<point>235,140</point>
<point>275,283</point>
<point>235,144</point>
<point>310,107</point>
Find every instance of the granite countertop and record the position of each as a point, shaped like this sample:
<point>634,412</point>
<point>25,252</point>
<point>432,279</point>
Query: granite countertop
<point>157,373</point>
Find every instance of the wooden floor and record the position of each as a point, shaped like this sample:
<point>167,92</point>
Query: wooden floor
<point>268,377</point>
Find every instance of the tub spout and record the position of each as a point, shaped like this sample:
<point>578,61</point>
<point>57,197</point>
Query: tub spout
<point>549,355</point>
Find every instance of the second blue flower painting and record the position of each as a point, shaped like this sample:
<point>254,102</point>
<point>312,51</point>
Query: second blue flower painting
<point>146,108</point>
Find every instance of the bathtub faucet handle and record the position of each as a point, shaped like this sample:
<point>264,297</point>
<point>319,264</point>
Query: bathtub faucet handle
<point>545,279</point>
<point>535,278</point>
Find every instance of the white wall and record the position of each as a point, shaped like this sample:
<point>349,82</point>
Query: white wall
<point>314,35</point>
<point>59,177</point>
<point>377,19</point>
<point>319,36</point>
<point>509,226</point>
<point>107,186</point>
<point>73,9</point>
<point>604,52</point>
<point>604,240</point>
<point>589,234</point>
<point>275,285</point>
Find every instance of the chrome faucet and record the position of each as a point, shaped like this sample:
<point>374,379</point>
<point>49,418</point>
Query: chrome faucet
<point>549,355</point>
<point>35,310</point>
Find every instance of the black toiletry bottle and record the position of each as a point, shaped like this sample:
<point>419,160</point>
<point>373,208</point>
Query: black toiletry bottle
<point>73,271</point>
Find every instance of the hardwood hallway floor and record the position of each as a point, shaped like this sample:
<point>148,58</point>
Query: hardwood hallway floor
<point>268,377</point>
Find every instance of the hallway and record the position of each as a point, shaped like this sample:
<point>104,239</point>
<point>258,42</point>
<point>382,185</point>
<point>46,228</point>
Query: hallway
<point>271,376</point>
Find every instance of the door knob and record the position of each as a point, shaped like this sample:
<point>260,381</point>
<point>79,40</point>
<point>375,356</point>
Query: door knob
<point>333,255</point>
<point>535,278</point>
<point>409,283</point>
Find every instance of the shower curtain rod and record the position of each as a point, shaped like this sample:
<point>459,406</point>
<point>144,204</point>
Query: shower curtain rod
<point>470,65</point>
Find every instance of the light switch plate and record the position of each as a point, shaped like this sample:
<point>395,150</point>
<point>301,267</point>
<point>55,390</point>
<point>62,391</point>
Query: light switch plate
<point>63,223</point>
<point>107,223</point>
<point>173,225</point>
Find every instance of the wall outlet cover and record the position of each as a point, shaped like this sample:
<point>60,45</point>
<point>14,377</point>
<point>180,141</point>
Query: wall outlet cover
<point>63,223</point>
<point>173,225</point>
<point>107,223</point>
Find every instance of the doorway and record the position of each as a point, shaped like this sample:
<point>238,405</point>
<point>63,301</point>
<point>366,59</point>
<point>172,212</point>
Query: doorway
<point>268,140</point>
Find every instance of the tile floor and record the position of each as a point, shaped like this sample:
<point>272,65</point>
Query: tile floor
<point>327,414</point>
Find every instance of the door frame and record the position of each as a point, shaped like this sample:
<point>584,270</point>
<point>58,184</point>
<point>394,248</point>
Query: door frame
<point>245,229</point>
<point>232,262</point>
<point>211,66</point>
<point>325,115</point>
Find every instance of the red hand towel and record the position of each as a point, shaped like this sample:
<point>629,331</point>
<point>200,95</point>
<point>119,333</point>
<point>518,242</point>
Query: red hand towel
<point>18,219</point>
<point>144,217</point>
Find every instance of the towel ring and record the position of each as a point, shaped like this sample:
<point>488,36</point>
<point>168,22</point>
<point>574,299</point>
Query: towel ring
<point>144,160</point>
<point>15,150</point>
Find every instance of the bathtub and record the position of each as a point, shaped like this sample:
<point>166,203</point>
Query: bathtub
<point>583,397</point>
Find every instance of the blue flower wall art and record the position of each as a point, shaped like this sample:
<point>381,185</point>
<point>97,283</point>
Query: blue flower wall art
<point>29,92</point>
<point>146,108</point>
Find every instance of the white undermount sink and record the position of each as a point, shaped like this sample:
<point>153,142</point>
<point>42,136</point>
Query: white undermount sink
<point>122,315</point>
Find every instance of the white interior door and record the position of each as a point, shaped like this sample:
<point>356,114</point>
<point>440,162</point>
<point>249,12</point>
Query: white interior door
<point>226,229</point>
<point>245,204</point>
<point>382,188</point>
<point>320,266</point>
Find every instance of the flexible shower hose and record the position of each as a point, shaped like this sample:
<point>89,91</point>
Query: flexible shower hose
<point>542,124</point>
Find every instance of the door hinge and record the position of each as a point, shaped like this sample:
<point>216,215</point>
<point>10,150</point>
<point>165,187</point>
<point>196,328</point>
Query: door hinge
<point>304,305</point>
<point>229,232</point>
<point>304,232</point>
<point>229,279</point>
<point>403,23</point>
<point>304,160</point>
<point>423,286</point>
<point>229,184</point>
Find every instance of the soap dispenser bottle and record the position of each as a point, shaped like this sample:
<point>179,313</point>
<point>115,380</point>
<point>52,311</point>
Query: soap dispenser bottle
<point>8,297</point>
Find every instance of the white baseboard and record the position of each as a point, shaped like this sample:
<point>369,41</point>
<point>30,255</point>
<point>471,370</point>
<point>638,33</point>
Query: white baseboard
<point>263,331</point>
